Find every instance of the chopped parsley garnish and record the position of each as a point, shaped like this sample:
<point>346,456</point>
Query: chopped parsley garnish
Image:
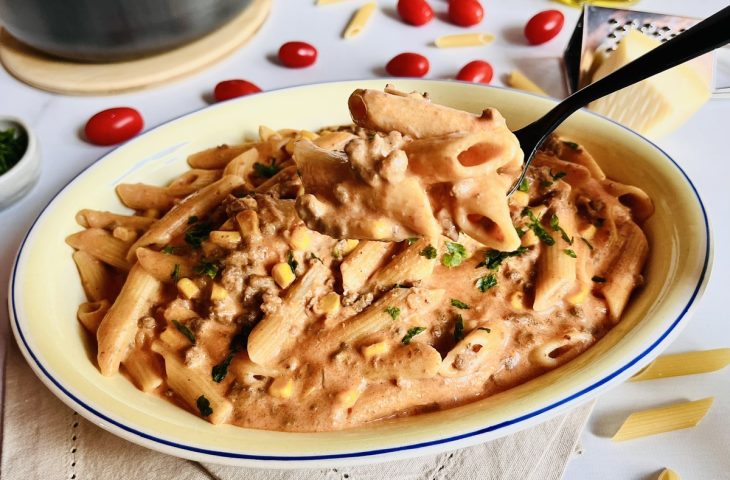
<point>599,222</point>
<point>569,252</point>
<point>393,312</point>
<point>197,232</point>
<point>204,406</point>
<point>537,228</point>
<point>520,231</point>
<point>555,178</point>
<point>429,252</point>
<point>169,250</point>
<point>455,254</point>
<point>571,145</point>
<point>494,258</point>
<point>488,330</point>
<point>412,240</point>
<point>207,268</point>
<point>587,243</point>
<point>486,282</point>
<point>192,219</point>
<point>459,328</point>
<point>185,331</point>
<point>175,275</point>
<point>555,225</point>
<point>313,256</point>
<point>524,186</point>
<point>598,279</point>
<point>455,302</point>
<point>412,332</point>
<point>293,264</point>
<point>220,371</point>
<point>13,143</point>
<point>266,171</point>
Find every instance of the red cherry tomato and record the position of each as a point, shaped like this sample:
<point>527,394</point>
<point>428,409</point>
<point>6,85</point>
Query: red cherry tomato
<point>415,12</point>
<point>477,71</point>
<point>544,26</point>
<point>465,13</point>
<point>408,65</point>
<point>297,54</point>
<point>228,89</point>
<point>113,126</point>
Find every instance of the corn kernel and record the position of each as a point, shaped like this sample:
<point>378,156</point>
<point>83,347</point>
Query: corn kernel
<point>330,304</point>
<point>375,349</point>
<point>520,199</point>
<point>381,229</point>
<point>282,387</point>
<point>517,300</point>
<point>578,297</point>
<point>588,232</point>
<point>350,245</point>
<point>283,275</point>
<point>348,398</point>
<point>218,293</point>
<point>225,239</point>
<point>301,238</point>
<point>187,288</point>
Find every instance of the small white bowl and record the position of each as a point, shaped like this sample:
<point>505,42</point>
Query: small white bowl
<point>18,181</point>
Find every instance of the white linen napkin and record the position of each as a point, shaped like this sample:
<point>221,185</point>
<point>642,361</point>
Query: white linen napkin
<point>44,439</point>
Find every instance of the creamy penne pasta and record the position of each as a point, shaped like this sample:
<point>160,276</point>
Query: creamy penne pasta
<point>314,281</point>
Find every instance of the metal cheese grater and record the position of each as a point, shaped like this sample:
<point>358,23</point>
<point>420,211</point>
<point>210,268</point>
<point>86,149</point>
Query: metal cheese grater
<point>600,30</point>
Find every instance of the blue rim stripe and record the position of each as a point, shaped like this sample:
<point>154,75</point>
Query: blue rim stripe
<point>366,453</point>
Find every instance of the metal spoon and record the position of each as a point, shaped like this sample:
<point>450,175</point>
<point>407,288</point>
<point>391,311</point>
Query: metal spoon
<point>709,34</point>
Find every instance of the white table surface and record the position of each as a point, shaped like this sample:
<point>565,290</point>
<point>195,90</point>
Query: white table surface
<point>700,147</point>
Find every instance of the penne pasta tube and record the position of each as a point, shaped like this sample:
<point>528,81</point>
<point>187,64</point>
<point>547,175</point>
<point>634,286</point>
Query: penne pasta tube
<point>243,166</point>
<point>359,20</point>
<point>625,270</point>
<point>479,349</point>
<point>362,262</point>
<point>139,196</point>
<point>242,368</point>
<point>192,181</point>
<point>101,245</point>
<point>192,384</point>
<point>90,314</point>
<point>217,157</point>
<point>688,363</point>
<point>382,111</point>
<point>117,329</point>
<point>144,369</point>
<point>556,267</point>
<point>635,198</point>
<point>561,350</point>
<point>394,308</point>
<point>94,277</point>
<point>167,268</point>
<point>175,221</point>
<point>407,267</point>
<point>668,474</point>
<point>663,419</point>
<point>127,235</point>
<point>334,140</point>
<point>413,361</point>
<point>517,79</point>
<point>274,332</point>
<point>109,221</point>
<point>464,40</point>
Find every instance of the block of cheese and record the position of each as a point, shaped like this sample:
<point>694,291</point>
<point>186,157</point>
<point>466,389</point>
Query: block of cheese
<point>657,105</point>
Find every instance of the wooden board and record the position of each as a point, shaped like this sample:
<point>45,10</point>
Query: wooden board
<point>64,76</point>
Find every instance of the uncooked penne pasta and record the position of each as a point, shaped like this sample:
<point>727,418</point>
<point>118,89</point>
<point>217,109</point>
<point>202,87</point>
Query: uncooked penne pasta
<point>217,157</point>
<point>195,387</point>
<point>167,268</point>
<point>94,276</point>
<point>176,220</point>
<point>668,474</point>
<point>687,363</point>
<point>139,196</point>
<point>101,245</point>
<point>90,314</point>
<point>359,20</point>
<point>663,419</point>
<point>360,264</point>
<point>464,40</point>
<point>517,79</point>
<point>407,267</point>
<point>117,329</point>
<point>144,369</point>
<point>273,334</point>
<point>109,221</point>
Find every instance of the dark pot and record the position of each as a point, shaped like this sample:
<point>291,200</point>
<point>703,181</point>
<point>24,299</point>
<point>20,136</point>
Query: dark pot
<point>110,30</point>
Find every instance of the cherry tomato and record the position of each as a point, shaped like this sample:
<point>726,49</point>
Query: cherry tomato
<point>408,65</point>
<point>297,54</point>
<point>477,71</point>
<point>113,126</point>
<point>465,13</point>
<point>415,12</point>
<point>228,89</point>
<point>544,26</point>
